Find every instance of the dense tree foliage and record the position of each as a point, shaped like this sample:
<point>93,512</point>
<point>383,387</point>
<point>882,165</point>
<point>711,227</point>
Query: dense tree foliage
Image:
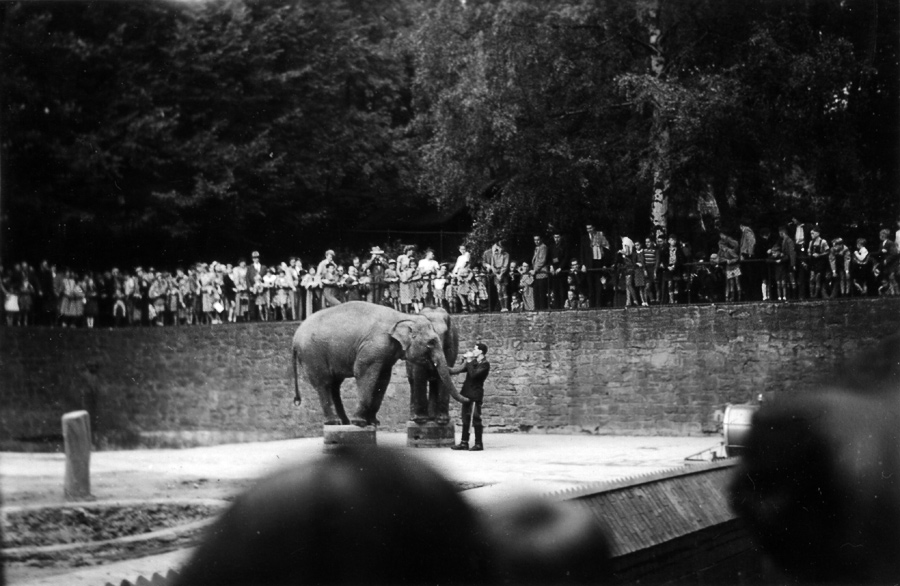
<point>162,132</point>
<point>538,112</point>
<point>199,129</point>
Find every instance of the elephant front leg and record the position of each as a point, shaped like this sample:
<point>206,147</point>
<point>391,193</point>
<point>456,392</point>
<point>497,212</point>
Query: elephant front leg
<point>439,402</point>
<point>371,387</point>
<point>418,397</point>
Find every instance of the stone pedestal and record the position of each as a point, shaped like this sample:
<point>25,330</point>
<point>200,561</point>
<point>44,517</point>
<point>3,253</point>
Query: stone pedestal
<point>430,435</point>
<point>348,435</point>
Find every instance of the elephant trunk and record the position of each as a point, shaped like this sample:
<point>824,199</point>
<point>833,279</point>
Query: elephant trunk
<point>440,364</point>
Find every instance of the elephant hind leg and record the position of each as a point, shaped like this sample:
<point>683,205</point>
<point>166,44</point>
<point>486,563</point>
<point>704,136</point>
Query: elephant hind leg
<point>339,403</point>
<point>328,388</point>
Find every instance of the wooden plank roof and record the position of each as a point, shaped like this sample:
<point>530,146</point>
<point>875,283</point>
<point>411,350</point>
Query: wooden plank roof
<point>644,511</point>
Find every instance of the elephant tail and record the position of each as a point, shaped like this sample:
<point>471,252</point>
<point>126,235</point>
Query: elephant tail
<point>297,399</point>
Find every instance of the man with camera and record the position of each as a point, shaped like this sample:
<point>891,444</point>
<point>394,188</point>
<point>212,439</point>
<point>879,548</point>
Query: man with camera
<point>476,368</point>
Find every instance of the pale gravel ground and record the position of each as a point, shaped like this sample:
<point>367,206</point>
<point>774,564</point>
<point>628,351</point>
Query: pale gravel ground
<point>511,464</point>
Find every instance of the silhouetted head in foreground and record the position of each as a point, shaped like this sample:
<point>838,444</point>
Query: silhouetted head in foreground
<point>357,516</point>
<point>544,542</point>
<point>819,484</point>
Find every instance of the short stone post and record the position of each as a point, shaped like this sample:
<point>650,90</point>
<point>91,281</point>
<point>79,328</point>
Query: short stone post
<point>76,428</point>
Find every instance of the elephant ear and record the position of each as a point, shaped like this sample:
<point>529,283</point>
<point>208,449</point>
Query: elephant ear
<point>404,331</point>
<point>446,329</point>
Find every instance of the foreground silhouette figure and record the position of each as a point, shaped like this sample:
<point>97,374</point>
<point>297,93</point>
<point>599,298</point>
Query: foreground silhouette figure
<point>819,485</point>
<point>371,515</point>
<point>357,516</point>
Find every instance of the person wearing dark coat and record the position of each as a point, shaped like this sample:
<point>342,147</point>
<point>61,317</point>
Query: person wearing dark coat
<point>476,368</point>
<point>559,256</point>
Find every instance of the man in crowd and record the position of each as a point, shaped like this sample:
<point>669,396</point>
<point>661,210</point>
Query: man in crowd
<point>477,369</point>
<point>497,266</point>
<point>376,265</point>
<point>595,256</point>
<point>559,256</point>
<point>750,269</point>
<point>256,269</point>
<point>541,274</point>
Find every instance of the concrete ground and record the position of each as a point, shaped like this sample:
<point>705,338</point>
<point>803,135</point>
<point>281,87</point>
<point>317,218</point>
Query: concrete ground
<point>511,464</point>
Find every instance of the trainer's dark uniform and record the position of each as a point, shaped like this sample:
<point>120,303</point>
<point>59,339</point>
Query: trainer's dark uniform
<point>473,389</point>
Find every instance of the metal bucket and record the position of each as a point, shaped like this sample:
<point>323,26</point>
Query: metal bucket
<point>736,427</point>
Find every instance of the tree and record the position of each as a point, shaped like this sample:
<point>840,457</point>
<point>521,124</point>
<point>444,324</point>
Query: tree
<point>210,128</point>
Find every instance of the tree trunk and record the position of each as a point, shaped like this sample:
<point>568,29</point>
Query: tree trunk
<point>648,11</point>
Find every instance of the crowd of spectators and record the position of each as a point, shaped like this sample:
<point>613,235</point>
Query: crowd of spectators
<point>795,262</point>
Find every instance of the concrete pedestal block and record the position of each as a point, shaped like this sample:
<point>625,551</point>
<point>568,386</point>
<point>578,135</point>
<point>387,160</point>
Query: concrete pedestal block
<point>348,435</point>
<point>430,435</point>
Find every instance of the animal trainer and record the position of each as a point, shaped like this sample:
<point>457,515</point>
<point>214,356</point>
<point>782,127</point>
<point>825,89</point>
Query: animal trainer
<point>363,340</point>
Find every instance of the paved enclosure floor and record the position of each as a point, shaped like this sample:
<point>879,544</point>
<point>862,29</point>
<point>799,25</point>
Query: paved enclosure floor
<point>511,464</point>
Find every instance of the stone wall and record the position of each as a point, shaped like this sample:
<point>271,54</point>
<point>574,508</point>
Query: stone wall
<point>658,370</point>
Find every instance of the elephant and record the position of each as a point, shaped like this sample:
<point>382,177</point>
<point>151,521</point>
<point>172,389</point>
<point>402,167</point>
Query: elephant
<point>427,402</point>
<point>363,340</point>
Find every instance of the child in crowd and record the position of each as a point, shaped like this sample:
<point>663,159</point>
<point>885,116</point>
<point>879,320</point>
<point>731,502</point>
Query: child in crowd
<point>839,261</point>
<point>392,281</point>
<point>571,300</point>
<point>480,300</point>
<point>440,287</point>
<point>526,287</point>
<point>640,277</point>
<point>260,297</point>
<point>583,302</point>
<point>861,267</point>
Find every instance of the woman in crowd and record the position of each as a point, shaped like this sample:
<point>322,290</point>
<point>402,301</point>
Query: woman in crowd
<point>463,286</point>
<point>312,284</point>
<point>330,289</point>
<point>728,255</point>
<point>628,263</point>
<point>406,274</point>
<point>91,307</point>
<point>73,300</point>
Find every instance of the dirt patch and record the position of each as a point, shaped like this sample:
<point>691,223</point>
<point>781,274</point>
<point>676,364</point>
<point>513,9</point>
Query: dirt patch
<point>45,540</point>
<point>63,525</point>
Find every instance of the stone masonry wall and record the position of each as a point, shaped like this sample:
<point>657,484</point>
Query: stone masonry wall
<point>659,370</point>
